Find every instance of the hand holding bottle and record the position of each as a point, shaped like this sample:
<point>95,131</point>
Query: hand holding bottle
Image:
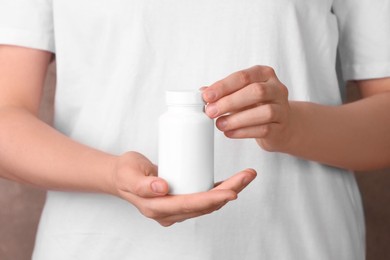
<point>135,180</point>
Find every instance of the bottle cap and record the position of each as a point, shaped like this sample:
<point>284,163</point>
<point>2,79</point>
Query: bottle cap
<point>184,97</point>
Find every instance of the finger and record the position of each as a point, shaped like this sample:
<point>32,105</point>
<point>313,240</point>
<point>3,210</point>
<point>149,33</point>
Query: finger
<point>217,183</point>
<point>239,181</point>
<point>259,115</point>
<point>236,81</point>
<point>255,93</point>
<point>139,177</point>
<point>148,186</point>
<point>191,204</point>
<point>260,131</point>
<point>170,220</point>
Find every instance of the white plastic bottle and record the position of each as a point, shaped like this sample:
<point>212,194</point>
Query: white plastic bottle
<point>186,144</point>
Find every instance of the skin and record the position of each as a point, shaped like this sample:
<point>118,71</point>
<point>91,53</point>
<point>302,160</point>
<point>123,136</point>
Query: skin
<point>253,103</point>
<point>29,152</point>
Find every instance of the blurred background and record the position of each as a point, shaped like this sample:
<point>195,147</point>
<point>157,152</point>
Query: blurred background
<point>21,205</point>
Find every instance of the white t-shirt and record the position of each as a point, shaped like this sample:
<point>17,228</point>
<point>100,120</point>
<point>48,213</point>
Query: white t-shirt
<point>115,59</point>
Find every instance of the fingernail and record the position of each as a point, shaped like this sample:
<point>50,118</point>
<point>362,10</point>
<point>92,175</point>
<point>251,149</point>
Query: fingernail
<point>211,110</point>
<point>158,187</point>
<point>210,96</point>
<point>222,123</point>
<point>247,180</point>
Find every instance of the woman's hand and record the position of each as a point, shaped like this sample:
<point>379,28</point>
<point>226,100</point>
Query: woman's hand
<point>136,181</point>
<point>251,103</point>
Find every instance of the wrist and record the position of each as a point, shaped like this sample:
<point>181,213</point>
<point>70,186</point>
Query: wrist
<point>294,133</point>
<point>108,185</point>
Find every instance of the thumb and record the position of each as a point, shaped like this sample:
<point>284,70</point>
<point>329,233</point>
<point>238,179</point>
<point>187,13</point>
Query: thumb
<point>138,176</point>
<point>146,184</point>
<point>149,186</point>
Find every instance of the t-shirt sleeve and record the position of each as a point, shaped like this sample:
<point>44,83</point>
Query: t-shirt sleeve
<point>27,23</point>
<point>364,43</point>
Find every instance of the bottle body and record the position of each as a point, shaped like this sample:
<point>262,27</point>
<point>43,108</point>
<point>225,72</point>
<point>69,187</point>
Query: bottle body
<point>186,149</point>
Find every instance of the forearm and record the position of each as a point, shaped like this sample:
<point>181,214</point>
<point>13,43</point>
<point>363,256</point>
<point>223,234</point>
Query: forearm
<point>34,153</point>
<point>355,136</point>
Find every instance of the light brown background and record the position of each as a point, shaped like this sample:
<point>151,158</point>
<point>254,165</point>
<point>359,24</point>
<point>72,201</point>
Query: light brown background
<point>21,205</point>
